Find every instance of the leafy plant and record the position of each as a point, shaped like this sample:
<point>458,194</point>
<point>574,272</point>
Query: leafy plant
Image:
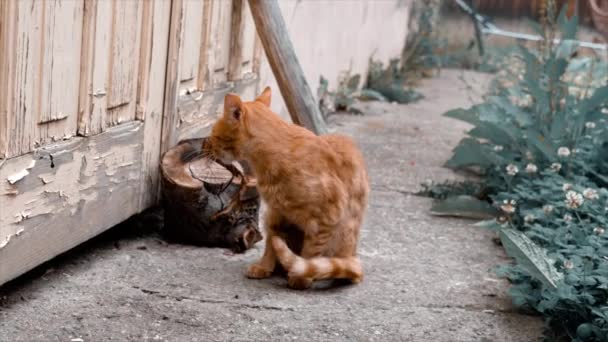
<point>390,82</point>
<point>540,140</point>
<point>423,49</point>
<point>343,98</point>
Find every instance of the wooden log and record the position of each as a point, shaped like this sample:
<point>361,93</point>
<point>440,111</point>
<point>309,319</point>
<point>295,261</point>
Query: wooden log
<point>205,203</point>
<point>285,66</point>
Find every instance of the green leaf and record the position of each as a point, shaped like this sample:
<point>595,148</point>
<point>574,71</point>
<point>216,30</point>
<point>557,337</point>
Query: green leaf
<point>532,78</point>
<point>566,48</point>
<point>371,95</point>
<point>523,118</point>
<point>568,27</point>
<point>464,206</point>
<point>496,133</point>
<point>467,115</point>
<point>530,256</point>
<point>353,82</point>
<point>541,144</point>
<point>469,153</point>
<point>489,224</point>
<point>599,98</point>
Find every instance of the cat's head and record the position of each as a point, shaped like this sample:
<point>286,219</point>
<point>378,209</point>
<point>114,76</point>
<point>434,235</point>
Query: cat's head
<point>230,130</point>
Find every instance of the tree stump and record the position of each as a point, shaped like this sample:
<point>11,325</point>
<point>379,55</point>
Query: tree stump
<point>206,203</point>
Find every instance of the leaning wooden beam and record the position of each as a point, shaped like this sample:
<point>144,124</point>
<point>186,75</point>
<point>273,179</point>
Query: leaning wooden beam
<point>272,31</point>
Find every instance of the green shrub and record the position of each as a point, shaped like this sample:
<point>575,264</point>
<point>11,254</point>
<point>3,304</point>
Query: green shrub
<point>541,142</point>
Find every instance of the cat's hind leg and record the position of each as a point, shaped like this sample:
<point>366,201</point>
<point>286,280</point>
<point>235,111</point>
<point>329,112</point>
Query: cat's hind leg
<point>266,265</point>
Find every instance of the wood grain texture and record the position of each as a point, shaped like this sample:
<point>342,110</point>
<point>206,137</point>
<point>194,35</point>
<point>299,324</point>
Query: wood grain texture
<point>85,100</point>
<point>58,86</point>
<point>22,123</point>
<point>272,31</point>
<point>220,33</point>
<point>55,206</point>
<point>7,32</point>
<point>170,116</point>
<point>150,98</point>
<point>249,38</point>
<point>126,26</point>
<point>203,66</point>
<point>190,42</point>
<point>97,45</point>
<point>237,26</point>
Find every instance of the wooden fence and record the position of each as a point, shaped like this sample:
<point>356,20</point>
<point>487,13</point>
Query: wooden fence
<point>92,92</point>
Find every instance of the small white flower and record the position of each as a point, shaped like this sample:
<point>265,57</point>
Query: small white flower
<point>563,151</point>
<point>529,218</point>
<point>590,125</point>
<point>529,155</point>
<point>604,110</point>
<point>547,208</point>
<point>574,199</point>
<point>566,186</point>
<point>556,167</point>
<point>508,206</point>
<point>512,170</point>
<point>568,265</point>
<point>501,220</point>
<point>498,148</point>
<point>598,230</point>
<point>531,168</point>
<point>567,218</point>
<point>590,194</point>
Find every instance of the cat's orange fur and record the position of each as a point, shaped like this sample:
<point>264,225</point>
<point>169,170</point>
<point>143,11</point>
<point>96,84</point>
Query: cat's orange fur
<point>316,183</point>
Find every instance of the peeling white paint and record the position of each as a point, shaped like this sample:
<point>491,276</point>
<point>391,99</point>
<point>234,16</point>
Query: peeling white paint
<point>47,178</point>
<point>15,177</point>
<point>7,239</point>
<point>19,175</point>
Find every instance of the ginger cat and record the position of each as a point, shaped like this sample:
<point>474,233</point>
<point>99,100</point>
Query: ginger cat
<point>315,187</point>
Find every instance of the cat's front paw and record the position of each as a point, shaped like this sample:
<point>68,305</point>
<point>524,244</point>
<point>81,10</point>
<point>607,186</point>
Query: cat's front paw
<point>299,283</point>
<point>257,271</point>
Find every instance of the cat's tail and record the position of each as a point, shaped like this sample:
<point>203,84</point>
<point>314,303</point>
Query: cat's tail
<point>319,267</point>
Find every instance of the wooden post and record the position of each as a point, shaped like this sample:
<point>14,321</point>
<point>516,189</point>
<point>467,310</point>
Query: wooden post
<point>272,31</point>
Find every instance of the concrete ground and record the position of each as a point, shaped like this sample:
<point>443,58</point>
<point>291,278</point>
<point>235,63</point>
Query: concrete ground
<point>427,278</point>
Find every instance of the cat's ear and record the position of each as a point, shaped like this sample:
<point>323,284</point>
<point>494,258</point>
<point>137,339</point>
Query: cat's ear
<point>265,97</point>
<point>233,106</point>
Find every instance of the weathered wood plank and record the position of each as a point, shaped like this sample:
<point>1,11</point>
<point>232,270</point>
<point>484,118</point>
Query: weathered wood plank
<point>96,47</point>
<point>258,52</point>
<point>22,121</point>
<point>56,204</point>
<point>170,116</point>
<point>220,33</point>
<point>203,79</point>
<point>86,71</point>
<point>285,66</point>
<point>237,27</point>
<point>249,41</point>
<point>124,59</point>
<point>7,33</point>
<point>155,39</point>
<point>57,89</point>
<point>190,42</point>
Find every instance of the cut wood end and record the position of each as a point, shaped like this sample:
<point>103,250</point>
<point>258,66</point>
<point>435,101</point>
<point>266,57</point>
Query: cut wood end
<point>184,166</point>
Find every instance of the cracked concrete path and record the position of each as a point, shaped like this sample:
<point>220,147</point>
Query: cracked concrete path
<point>427,278</point>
